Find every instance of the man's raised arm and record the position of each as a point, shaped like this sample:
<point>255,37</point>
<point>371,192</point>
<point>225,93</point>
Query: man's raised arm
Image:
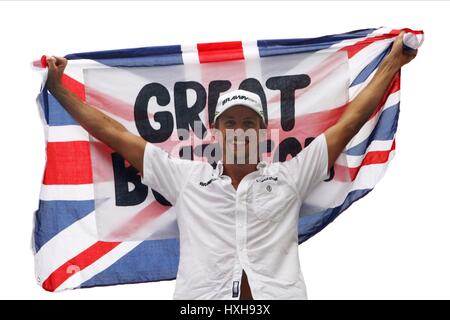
<point>363,106</point>
<point>98,124</point>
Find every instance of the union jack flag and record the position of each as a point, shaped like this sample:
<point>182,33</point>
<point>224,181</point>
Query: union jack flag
<point>96,225</point>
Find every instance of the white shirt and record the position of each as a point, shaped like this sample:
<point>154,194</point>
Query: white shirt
<point>224,230</point>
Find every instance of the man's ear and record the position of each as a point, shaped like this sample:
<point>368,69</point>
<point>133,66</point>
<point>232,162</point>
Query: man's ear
<point>214,130</point>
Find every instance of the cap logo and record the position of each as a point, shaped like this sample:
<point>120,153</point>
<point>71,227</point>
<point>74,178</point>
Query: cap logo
<point>237,97</point>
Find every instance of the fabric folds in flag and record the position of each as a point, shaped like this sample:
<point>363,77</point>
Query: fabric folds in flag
<point>97,224</point>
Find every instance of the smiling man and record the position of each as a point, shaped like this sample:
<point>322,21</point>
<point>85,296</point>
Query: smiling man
<point>237,220</point>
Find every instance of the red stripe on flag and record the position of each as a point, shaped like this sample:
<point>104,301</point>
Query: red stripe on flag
<point>313,124</point>
<point>408,30</point>
<point>358,46</point>
<point>112,105</point>
<point>220,51</point>
<point>140,221</point>
<point>101,248</point>
<point>101,100</point>
<point>393,87</point>
<point>68,163</point>
<point>37,64</point>
<point>74,86</point>
<point>78,263</point>
<point>342,173</point>
<point>317,74</point>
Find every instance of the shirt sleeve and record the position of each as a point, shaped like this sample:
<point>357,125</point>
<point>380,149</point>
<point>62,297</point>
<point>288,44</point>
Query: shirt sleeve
<point>165,174</point>
<point>308,167</point>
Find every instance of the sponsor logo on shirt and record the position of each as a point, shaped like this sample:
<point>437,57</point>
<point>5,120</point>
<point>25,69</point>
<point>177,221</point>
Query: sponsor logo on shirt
<point>204,184</point>
<point>267,178</point>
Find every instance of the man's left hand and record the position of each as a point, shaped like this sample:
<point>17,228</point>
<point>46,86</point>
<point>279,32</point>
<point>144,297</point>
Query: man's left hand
<point>398,55</point>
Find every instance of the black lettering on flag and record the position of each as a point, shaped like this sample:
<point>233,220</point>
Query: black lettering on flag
<point>215,88</point>
<point>308,141</point>
<point>159,197</point>
<point>289,146</point>
<point>186,153</point>
<point>265,146</point>
<point>331,174</point>
<point>188,115</point>
<point>122,176</point>
<point>165,118</point>
<point>287,86</point>
<point>253,85</point>
<point>211,151</point>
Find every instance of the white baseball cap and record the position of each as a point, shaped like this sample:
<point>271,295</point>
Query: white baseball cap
<point>241,98</point>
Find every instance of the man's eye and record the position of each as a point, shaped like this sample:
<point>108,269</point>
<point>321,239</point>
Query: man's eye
<point>249,124</point>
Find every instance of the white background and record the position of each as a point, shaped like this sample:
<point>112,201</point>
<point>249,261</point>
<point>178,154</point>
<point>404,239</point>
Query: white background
<point>393,244</point>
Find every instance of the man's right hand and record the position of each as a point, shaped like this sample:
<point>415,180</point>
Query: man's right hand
<point>97,123</point>
<point>56,66</point>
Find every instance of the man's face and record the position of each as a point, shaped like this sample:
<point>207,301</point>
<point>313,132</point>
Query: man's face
<point>238,135</point>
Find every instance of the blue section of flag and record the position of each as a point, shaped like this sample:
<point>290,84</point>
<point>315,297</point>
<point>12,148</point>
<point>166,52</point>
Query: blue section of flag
<point>55,114</point>
<point>367,71</point>
<point>384,130</point>
<point>135,57</point>
<point>152,260</point>
<point>309,225</point>
<point>43,103</point>
<point>54,216</point>
<point>155,260</point>
<point>300,45</point>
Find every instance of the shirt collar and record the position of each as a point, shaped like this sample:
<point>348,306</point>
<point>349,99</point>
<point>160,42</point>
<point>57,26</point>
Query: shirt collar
<point>218,170</point>
<point>261,165</point>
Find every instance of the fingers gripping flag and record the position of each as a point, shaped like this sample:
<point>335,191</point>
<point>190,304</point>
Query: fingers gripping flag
<point>97,224</point>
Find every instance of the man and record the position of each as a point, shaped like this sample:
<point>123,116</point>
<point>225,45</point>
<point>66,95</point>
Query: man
<point>237,221</point>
